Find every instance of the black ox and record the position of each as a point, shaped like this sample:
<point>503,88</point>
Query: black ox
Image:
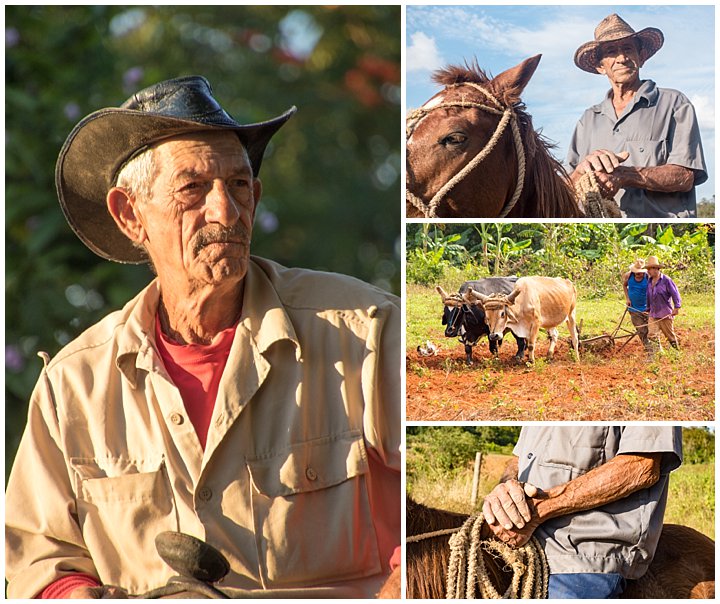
<point>468,321</point>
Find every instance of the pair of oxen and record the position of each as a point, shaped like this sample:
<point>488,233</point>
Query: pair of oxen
<point>497,305</point>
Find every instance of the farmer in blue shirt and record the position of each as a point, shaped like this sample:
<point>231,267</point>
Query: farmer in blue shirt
<point>663,301</point>
<point>635,283</point>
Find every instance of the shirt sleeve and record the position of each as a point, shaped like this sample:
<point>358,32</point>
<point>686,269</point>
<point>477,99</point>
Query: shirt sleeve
<point>674,293</point>
<point>43,541</point>
<point>654,439</point>
<point>685,146</point>
<point>382,426</point>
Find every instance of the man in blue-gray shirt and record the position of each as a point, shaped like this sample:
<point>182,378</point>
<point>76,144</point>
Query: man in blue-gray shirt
<point>635,283</point>
<point>598,500</point>
<point>642,142</point>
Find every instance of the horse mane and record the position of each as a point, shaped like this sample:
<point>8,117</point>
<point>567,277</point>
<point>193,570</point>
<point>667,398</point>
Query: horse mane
<point>552,194</point>
<point>427,560</point>
<point>459,74</point>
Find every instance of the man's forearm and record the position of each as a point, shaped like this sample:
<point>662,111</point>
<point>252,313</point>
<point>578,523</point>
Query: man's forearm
<point>614,480</point>
<point>669,178</point>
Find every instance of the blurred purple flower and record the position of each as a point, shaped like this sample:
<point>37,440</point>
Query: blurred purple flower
<point>131,78</point>
<point>268,222</point>
<point>72,111</point>
<point>12,37</point>
<point>14,360</point>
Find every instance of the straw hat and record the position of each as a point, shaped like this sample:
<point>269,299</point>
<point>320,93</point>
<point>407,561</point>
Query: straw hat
<point>105,140</point>
<point>611,29</point>
<point>652,262</point>
<point>638,267</point>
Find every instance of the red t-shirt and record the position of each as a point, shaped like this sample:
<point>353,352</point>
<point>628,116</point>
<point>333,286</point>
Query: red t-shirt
<point>196,370</point>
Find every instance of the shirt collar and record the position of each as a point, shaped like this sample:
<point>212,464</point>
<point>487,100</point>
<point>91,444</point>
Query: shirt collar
<point>263,315</point>
<point>648,93</point>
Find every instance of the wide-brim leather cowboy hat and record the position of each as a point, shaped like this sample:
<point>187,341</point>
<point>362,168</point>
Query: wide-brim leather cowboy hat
<point>105,140</point>
<point>611,29</point>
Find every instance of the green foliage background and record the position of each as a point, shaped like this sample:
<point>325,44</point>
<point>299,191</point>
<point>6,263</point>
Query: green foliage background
<point>593,256</point>
<point>331,176</point>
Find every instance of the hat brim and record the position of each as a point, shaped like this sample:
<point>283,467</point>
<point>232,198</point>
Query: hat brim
<point>652,40</point>
<point>102,142</point>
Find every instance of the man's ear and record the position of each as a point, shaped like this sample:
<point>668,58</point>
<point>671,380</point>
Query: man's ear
<point>257,194</point>
<point>121,206</point>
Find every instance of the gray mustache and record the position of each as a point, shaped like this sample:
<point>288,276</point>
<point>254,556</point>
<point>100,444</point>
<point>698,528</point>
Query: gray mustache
<point>214,234</point>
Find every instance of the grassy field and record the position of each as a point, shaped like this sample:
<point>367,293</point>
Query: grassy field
<point>691,500</point>
<point>424,312</point>
<point>612,384</point>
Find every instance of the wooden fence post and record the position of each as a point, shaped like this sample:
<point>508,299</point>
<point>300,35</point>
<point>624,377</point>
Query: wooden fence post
<point>476,479</point>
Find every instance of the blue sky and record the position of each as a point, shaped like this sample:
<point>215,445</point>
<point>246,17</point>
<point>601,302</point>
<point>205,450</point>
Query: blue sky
<point>501,36</point>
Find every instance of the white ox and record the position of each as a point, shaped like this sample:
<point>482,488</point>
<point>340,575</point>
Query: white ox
<point>534,303</point>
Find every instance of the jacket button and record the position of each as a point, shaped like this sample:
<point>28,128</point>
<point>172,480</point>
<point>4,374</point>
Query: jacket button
<point>205,494</point>
<point>176,418</point>
<point>311,474</point>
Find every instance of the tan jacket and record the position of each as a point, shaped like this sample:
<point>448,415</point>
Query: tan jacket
<point>109,458</point>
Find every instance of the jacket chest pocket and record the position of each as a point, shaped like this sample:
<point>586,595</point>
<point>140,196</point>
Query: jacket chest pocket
<point>121,507</point>
<point>312,515</point>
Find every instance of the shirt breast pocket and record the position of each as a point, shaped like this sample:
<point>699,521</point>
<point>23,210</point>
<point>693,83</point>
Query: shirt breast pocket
<point>311,511</point>
<point>646,153</point>
<point>121,507</point>
<point>573,452</point>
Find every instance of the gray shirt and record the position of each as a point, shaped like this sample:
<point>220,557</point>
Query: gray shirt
<point>658,127</point>
<point>619,537</point>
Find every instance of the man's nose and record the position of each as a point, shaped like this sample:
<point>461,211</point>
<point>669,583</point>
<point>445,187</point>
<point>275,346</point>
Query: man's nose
<point>221,207</point>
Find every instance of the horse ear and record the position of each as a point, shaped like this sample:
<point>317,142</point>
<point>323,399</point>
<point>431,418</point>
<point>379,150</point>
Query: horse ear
<point>511,82</point>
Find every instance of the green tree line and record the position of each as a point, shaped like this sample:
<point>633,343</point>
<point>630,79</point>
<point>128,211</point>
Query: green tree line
<point>591,255</point>
<point>331,186</point>
<point>444,450</point>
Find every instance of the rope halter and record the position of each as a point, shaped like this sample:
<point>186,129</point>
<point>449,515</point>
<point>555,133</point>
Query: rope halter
<point>508,116</point>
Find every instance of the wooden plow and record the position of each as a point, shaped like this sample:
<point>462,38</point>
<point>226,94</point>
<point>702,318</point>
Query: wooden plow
<point>608,341</point>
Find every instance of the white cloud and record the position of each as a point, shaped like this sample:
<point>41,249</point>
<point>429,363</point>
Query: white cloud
<point>705,111</point>
<point>423,54</point>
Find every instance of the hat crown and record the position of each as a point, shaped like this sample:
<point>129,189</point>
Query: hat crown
<point>638,266</point>
<point>188,98</point>
<point>613,27</point>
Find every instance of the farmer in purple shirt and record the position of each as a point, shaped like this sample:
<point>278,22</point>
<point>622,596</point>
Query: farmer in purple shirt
<point>663,301</point>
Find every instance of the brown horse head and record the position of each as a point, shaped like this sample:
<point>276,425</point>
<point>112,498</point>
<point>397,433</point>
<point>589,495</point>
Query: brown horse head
<point>448,134</point>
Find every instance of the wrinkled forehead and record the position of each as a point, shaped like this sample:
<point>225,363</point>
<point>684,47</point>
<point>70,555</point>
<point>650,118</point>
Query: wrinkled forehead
<point>218,147</point>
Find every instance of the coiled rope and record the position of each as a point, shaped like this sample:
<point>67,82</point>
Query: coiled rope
<point>468,576</point>
<point>593,204</point>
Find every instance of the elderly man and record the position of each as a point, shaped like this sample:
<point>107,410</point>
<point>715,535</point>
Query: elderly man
<point>642,142</point>
<point>250,405</point>
<point>664,302</point>
<point>594,496</point>
<point>635,283</point>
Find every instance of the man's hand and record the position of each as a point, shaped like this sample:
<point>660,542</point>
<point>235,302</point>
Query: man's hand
<point>506,505</point>
<point>100,592</point>
<point>602,161</point>
<point>510,513</point>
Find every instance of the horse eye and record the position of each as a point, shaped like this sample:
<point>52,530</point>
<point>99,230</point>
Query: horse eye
<point>455,138</point>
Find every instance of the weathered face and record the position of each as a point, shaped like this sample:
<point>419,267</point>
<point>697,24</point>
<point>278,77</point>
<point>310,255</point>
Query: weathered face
<point>620,61</point>
<point>198,220</point>
<point>445,141</point>
<point>496,319</point>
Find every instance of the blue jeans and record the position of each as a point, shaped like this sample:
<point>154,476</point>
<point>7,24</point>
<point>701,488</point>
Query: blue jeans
<point>585,585</point>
